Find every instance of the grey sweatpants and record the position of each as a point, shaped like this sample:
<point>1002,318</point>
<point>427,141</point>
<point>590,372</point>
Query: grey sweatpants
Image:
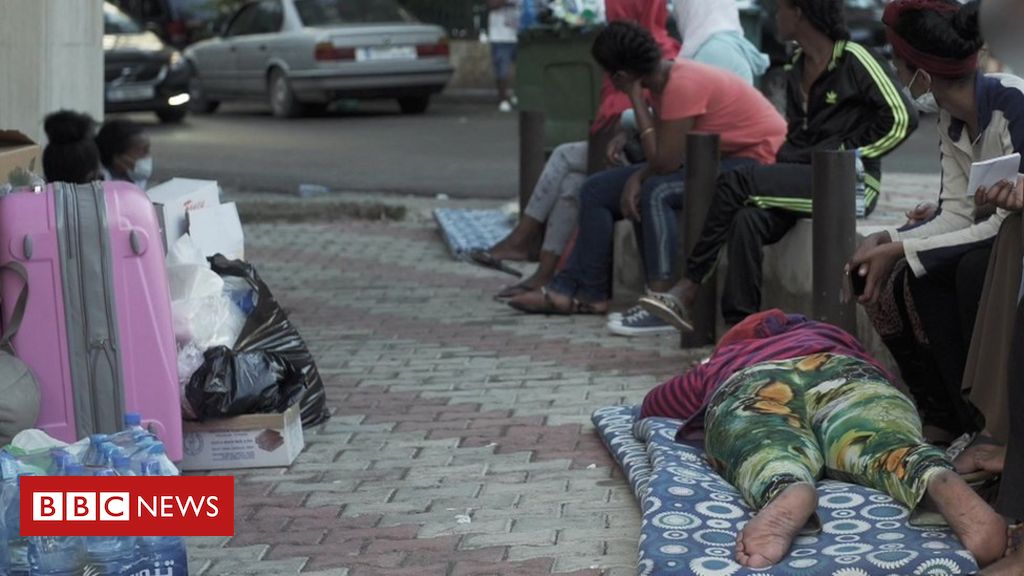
<point>555,198</point>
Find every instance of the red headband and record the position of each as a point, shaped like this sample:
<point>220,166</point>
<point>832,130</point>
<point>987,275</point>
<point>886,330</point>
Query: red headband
<point>934,65</point>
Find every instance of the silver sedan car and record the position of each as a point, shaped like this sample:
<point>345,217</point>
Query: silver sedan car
<point>304,54</point>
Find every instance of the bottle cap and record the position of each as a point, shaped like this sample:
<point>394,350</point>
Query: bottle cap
<point>132,419</point>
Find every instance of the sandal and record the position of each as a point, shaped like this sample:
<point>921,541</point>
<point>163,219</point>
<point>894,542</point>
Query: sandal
<point>666,307</point>
<point>513,291</point>
<point>551,308</point>
<point>487,260</point>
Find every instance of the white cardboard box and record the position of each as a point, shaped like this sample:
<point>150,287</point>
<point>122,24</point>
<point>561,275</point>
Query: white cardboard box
<point>250,441</point>
<point>175,198</point>
<point>218,230</point>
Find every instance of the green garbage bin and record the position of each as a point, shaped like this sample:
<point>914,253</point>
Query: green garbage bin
<point>556,75</point>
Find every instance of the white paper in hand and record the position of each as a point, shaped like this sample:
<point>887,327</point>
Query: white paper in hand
<point>991,172</point>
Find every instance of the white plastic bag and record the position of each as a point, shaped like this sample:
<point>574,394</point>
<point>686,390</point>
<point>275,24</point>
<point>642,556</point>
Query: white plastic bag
<point>204,316</point>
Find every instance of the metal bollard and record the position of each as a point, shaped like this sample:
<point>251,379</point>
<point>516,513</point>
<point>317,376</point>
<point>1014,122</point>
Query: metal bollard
<point>531,153</point>
<point>701,176</point>
<point>834,235</point>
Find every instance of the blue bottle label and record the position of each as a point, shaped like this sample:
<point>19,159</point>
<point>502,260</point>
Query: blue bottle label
<point>170,563</point>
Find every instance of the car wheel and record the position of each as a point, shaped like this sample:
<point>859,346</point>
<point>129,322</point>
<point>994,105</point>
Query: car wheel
<point>172,115</point>
<point>197,100</point>
<point>414,104</point>
<point>282,99</point>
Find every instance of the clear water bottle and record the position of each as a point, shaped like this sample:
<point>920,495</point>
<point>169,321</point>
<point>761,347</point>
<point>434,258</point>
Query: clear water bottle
<point>122,465</point>
<point>74,469</point>
<point>132,433</point>
<point>5,560</point>
<point>93,455</point>
<point>17,545</point>
<point>166,553</point>
<point>56,556</point>
<point>109,555</point>
<point>59,462</point>
<point>158,453</point>
<point>8,466</point>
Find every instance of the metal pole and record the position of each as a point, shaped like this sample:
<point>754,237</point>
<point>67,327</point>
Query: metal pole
<point>834,235</point>
<point>701,176</point>
<point>531,153</point>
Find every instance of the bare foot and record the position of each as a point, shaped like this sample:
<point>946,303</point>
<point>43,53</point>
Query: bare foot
<point>1012,565</point>
<point>766,539</point>
<point>981,458</point>
<point>981,529</point>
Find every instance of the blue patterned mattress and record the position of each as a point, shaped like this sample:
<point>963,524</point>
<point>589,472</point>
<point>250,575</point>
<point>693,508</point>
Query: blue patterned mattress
<point>468,230</point>
<point>691,516</point>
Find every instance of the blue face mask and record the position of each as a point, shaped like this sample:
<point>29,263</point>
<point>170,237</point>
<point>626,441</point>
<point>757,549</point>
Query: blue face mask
<point>142,171</point>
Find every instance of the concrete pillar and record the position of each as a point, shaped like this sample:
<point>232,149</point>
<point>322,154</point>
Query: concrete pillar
<point>51,57</point>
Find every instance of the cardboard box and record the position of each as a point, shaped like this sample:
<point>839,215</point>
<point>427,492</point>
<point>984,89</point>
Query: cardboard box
<point>18,151</point>
<point>176,198</point>
<point>250,441</point>
<point>218,230</point>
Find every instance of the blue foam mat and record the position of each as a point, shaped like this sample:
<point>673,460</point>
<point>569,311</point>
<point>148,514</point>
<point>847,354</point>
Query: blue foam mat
<point>691,516</point>
<point>468,230</point>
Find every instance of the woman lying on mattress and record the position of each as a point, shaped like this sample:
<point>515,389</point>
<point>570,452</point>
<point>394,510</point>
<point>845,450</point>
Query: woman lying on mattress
<point>785,401</point>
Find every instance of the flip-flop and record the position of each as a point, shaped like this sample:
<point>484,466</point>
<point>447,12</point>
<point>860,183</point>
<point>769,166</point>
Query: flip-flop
<point>513,291</point>
<point>485,259</point>
<point>666,307</point>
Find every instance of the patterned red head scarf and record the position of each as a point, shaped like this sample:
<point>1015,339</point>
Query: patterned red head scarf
<point>934,65</point>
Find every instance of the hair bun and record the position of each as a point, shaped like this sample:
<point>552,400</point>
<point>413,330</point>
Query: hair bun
<point>967,25</point>
<point>67,127</point>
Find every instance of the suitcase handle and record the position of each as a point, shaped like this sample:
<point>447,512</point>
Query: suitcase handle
<point>139,241</point>
<point>18,313</point>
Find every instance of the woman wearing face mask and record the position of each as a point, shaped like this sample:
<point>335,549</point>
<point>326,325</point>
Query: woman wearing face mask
<point>124,152</point>
<point>923,281</point>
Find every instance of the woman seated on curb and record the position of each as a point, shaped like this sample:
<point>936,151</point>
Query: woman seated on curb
<point>549,218</point>
<point>838,97</point>
<point>785,401</point>
<point>926,279</point>
<point>687,96</point>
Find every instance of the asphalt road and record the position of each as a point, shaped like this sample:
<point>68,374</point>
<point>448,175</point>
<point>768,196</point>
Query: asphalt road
<point>464,150</point>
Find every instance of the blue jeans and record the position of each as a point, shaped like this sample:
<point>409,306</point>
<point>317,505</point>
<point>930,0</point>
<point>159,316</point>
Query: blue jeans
<point>587,276</point>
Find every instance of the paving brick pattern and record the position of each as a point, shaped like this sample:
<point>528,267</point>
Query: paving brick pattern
<point>460,442</point>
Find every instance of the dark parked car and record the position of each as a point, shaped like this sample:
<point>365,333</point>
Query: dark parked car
<point>141,73</point>
<point>179,22</point>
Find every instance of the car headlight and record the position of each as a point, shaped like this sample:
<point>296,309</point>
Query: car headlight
<point>177,60</point>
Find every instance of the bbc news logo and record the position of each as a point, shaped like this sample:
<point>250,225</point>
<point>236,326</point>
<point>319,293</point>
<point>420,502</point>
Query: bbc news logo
<point>127,506</point>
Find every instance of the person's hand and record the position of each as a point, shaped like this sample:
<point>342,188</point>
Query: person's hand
<point>921,213</point>
<point>866,247</point>
<point>636,91</point>
<point>875,266</point>
<point>615,146</point>
<point>630,200</point>
<point>1006,195</point>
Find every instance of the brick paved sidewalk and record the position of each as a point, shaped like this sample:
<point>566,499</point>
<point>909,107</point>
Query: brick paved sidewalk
<point>461,441</point>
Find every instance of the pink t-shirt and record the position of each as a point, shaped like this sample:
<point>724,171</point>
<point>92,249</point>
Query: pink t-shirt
<point>724,104</point>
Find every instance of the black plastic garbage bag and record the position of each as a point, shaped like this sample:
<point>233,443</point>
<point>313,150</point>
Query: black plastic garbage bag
<point>268,330</point>
<point>232,384</point>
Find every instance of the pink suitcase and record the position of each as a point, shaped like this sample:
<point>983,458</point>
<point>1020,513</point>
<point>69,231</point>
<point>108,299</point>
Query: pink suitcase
<point>97,330</point>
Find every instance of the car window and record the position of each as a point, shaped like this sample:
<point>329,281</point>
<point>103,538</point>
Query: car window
<point>333,12</point>
<point>117,22</point>
<point>270,17</point>
<point>244,22</point>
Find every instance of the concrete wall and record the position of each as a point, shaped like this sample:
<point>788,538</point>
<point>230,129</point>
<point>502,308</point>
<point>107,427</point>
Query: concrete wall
<point>51,57</point>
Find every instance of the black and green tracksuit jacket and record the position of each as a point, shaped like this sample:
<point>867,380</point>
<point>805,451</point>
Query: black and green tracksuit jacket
<point>856,104</point>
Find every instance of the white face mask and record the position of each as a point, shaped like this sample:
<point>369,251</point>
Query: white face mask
<point>925,103</point>
<point>142,171</point>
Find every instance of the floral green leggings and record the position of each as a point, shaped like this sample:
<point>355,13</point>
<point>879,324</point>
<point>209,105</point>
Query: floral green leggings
<point>780,423</point>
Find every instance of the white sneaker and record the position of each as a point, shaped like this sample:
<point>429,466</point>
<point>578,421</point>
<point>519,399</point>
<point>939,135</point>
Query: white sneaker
<point>505,106</point>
